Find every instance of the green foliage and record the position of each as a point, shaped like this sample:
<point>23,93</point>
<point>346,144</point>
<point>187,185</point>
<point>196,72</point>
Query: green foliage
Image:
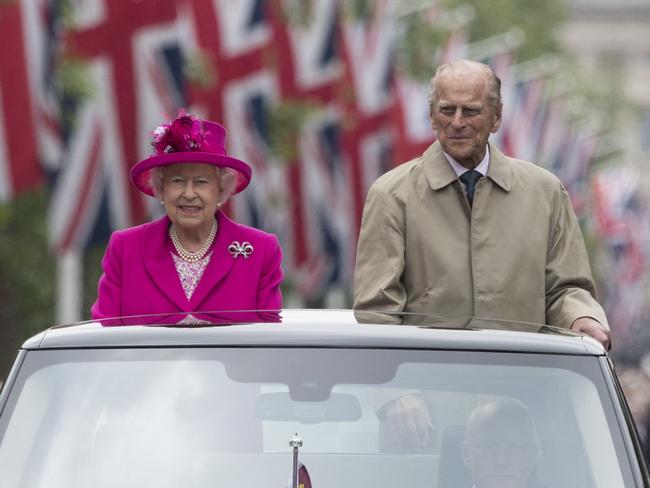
<point>73,79</point>
<point>421,37</point>
<point>538,20</point>
<point>297,12</point>
<point>27,274</point>
<point>599,102</point>
<point>65,9</point>
<point>74,84</point>
<point>199,69</point>
<point>285,120</point>
<point>357,9</point>
<point>420,40</point>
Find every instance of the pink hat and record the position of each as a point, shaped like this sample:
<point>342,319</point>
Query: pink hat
<point>188,139</point>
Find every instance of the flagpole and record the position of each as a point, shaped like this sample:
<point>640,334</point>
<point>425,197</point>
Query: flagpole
<point>295,442</point>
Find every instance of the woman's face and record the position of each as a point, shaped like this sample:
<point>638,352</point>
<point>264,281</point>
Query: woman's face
<point>191,194</point>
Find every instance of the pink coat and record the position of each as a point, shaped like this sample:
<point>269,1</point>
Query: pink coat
<point>140,277</point>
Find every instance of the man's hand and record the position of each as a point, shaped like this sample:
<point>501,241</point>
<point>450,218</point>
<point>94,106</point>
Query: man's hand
<point>408,423</point>
<point>593,328</point>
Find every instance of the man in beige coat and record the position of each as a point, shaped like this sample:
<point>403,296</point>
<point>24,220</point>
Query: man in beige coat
<point>516,253</point>
<point>465,230</point>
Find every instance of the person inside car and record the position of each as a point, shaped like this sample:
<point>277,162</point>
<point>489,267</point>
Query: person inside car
<point>501,447</point>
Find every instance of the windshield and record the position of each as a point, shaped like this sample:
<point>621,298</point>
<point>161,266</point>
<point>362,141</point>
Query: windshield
<point>224,417</point>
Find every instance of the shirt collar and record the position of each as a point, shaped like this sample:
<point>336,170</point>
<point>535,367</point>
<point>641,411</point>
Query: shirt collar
<point>439,175</point>
<point>460,169</point>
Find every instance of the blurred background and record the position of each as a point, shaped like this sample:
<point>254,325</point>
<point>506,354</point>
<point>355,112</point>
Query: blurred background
<point>320,97</point>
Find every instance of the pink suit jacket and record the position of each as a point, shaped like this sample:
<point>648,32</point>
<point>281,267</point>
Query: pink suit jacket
<point>140,277</point>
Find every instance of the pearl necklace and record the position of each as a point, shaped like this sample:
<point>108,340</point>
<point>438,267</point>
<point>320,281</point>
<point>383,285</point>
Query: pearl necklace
<point>192,257</point>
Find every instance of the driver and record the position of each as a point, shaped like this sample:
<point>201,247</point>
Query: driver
<point>501,447</point>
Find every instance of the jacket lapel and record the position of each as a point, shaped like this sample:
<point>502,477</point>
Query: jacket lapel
<point>159,263</point>
<point>499,170</point>
<point>437,170</point>
<point>220,263</point>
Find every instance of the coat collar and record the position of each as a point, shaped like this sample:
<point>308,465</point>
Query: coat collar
<point>155,250</point>
<point>499,170</point>
<point>439,172</point>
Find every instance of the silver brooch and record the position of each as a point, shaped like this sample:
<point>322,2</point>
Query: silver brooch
<point>244,249</point>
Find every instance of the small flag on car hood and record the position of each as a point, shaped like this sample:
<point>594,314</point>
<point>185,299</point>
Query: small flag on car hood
<point>303,477</point>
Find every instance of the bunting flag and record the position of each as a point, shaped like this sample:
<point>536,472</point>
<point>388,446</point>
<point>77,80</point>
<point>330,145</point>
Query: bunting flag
<point>502,61</point>
<point>527,96</point>
<point>19,167</point>
<point>535,127</point>
<point>327,198</point>
<point>370,133</point>
<point>88,145</point>
<point>44,29</point>
<point>247,107</point>
<point>620,225</point>
<point>415,133</point>
<point>312,97</point>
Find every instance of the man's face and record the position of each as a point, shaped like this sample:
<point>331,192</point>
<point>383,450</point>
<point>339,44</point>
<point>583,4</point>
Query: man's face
<point>463,117</point>
<point>500,455</point>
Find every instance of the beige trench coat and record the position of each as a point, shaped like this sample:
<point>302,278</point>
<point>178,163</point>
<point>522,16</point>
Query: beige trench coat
<point>518,255</point>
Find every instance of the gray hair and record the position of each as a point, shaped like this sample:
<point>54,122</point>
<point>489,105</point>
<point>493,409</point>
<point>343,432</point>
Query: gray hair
<point>226,177</point>
<point>494,83</point>
<point>510,409</point>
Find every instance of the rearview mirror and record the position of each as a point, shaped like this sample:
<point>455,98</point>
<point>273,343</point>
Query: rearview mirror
<point>339,407</point>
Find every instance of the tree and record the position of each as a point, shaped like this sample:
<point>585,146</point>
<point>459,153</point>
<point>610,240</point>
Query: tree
<point>538,21</point>
<point>27,274</point>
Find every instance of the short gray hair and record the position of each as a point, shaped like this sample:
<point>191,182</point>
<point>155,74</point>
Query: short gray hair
<point>510,409</point>
<point>227,178</point>
<point>494,83</point>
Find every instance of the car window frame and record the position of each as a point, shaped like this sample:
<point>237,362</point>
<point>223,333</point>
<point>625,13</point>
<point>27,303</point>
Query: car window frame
<point>627,424</point>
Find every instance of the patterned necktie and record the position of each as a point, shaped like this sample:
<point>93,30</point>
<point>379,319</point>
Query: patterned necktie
<point>470,178</point>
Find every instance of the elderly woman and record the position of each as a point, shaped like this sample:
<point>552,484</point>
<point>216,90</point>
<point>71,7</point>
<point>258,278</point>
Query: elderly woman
<point>195,258</point>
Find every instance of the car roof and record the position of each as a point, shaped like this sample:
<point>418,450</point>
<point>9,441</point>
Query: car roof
<point>322,329</point>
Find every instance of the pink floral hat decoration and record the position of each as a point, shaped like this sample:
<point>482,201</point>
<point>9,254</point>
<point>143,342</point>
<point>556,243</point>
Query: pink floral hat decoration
<point>188,139</point>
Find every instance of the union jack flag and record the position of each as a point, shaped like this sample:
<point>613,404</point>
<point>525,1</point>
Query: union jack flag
<point>247,115</point>
<point>19,167</point>
<point>327,200</point>
<point>372,124</point>
<point>129,61</point>
<point>138,55</point>
<point>620,223</point>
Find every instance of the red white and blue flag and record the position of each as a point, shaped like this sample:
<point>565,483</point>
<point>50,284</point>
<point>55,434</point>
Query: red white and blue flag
<point>19,167</point>
<point>304,481</point>
<point>238,63</point>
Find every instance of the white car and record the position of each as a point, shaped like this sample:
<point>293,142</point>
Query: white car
<point>203,406</point>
